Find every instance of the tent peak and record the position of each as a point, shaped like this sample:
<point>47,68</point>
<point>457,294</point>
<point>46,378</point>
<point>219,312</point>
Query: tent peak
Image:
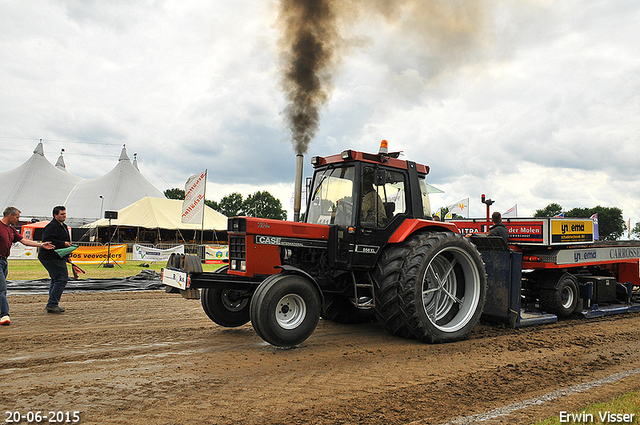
<point>60,163</point>
<point>39,149</point>
<point>123,154</point>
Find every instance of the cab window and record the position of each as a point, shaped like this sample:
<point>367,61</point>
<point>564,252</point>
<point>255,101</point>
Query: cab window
<point>383,196</point>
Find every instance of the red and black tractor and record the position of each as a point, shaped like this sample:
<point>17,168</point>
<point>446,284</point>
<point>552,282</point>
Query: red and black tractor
<point>367,249</point>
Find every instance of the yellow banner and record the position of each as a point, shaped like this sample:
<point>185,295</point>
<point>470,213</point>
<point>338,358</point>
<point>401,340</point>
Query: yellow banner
<point>98,254</point>
<point>571,230</point>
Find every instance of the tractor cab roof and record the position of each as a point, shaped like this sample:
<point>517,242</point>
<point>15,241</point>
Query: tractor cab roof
<point>383,157</point>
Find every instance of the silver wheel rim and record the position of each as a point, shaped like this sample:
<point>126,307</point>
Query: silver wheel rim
<point>567,297</point>
<point>291,311</point>
<point>450,299</point>
<point>236,305</point>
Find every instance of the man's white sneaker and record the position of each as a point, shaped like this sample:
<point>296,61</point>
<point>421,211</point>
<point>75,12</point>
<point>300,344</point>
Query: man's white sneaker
<point>5,320</point>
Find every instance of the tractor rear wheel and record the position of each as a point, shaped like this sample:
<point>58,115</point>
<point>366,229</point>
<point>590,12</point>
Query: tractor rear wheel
<point>226,307</point>
<point>285,309</point>
<point>440,287</point>
<point>340,309</point>
<point>386,276</point>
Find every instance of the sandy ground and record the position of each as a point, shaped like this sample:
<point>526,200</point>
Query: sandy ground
<point>149,357</point>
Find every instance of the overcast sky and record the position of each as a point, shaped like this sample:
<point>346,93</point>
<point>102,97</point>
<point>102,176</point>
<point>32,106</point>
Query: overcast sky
<point>530,102</point>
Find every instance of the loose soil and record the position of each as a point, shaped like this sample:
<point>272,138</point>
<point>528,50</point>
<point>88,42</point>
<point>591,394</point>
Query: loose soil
<point>149,357</point>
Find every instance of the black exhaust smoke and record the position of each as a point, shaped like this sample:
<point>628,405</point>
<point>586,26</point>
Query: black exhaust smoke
<point>308,51</point>
<point>308,46</point>
<point>311,44</point>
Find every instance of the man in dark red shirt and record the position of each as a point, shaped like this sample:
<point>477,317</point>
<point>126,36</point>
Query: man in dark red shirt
<point>9,235</point>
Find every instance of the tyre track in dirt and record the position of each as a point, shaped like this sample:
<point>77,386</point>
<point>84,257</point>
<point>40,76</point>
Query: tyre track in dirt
<point>150,357</point>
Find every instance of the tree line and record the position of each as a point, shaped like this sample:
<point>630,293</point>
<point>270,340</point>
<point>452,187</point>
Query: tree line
<point>611,225</point>
<point>260,204</point>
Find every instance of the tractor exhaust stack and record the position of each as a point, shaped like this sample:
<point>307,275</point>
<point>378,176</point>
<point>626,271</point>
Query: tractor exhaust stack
<point>297,197</point>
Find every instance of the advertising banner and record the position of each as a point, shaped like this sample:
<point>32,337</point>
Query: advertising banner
<point>144,253</point>
<point>21,252</point>
<point>194,193</point>
<point>520,231</point>
<point>571,231</point>
<point>216,254</point>
<point>98,254</point>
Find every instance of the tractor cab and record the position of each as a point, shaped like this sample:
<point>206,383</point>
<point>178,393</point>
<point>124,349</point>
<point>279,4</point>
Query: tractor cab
<point>364,198</point>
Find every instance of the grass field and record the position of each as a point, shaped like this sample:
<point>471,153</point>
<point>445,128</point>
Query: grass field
<point>32,269</point>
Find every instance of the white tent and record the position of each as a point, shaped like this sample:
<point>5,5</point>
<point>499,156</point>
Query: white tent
<point>36,186</point>
<point>161,213</point>
<point>120,187</point>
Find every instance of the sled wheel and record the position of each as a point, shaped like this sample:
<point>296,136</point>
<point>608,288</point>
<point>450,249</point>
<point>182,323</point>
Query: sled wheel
<point>562,300</point>
<point>285,309</point>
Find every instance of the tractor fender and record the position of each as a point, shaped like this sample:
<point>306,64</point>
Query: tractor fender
<point>410,226</point>
<point>295,270</point>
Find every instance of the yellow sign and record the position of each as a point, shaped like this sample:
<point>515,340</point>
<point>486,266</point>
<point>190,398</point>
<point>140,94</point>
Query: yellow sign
<point>567,231</point>
<point>98,254</point>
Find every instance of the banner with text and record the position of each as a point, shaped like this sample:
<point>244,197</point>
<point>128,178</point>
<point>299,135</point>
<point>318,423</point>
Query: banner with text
<point>193,204</point>
<point>144,253</point>
<point>22,252</point>
<point>216,254</point>
<point>98,254</point>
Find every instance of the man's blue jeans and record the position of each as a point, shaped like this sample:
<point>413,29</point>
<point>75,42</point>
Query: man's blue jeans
<point>59,276</point>
<point>4,304</point>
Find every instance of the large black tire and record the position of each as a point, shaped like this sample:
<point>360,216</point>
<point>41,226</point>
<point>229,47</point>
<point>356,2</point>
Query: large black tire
<point>340,309</point>
<point>387,299</point>
<point>285,309</point>
<point>562,300</point>
<point>226,307</point>
<point>439,289</point>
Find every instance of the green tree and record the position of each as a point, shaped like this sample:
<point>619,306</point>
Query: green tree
<point>635,232</point>
<point>611,225</point>
<point>212,204</point>
<point>174,193</point>
<point>230,205</point>
<point>264,205</point>
<point>550,210</point>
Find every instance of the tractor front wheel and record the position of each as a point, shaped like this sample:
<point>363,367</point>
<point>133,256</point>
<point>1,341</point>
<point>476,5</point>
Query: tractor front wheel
<point>226,307</point>
<point>285,309</point>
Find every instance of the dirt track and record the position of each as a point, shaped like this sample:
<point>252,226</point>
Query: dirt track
<point>151,357</point>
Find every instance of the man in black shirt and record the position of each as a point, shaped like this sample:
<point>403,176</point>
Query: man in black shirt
<point>57,233</point>
<point>498,228</point>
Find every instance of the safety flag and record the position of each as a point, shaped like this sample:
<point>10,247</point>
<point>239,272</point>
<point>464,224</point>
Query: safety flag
<point>193,204</point>
<point>596,234</point>
<point>511,212</point>
<point>461,208</point>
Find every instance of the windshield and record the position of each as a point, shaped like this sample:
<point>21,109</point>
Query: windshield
<point>332,197</point>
